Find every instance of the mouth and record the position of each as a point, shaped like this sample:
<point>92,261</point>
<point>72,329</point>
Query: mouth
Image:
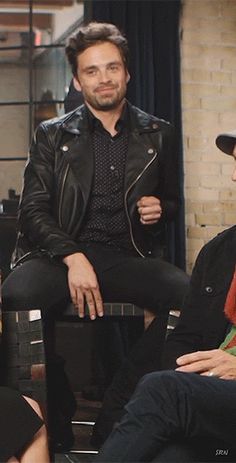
<point>105,89</point>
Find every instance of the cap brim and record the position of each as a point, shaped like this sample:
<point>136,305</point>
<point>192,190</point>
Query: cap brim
<point>226,142</point>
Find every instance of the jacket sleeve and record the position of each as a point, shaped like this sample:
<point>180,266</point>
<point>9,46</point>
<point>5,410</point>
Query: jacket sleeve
<point>36,219</point>
<point>202,324</point>
<point>188,335</point>
<point>170,185</point>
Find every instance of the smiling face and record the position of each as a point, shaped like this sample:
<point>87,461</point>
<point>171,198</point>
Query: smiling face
<point>102,76</point>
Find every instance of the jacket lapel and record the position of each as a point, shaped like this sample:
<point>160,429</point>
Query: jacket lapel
<point>139,154</point>
<point>81,161</point>
<point>79,151</point>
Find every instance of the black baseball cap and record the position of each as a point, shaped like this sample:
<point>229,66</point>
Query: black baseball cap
<point>226,142</point>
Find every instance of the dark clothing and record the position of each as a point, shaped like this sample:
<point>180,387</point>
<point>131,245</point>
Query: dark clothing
<point>61,189</point>
<point>148,282</point>
<point>105,220</point>
<point>202,324</point>
<point>73,99</point>
<point>18,423</point>
<point>168,406</point>
<point>59,176</point>
<point>122,276</point>
<point>171,405</point>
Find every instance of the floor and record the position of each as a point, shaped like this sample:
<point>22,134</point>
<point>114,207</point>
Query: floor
<point>86,411</point>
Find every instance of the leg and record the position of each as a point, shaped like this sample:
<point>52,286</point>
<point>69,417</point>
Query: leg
<point>142,359</point>
<point>153,284</point>
<point>21,423</point>
<point>37,283</point>
<point>42,283</point>
<point>37,450</point>
<point>169,405</point>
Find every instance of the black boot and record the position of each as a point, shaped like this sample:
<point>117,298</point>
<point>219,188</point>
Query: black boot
<point>61,407</point>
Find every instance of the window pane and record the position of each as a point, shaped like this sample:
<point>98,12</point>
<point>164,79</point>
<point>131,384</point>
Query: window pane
<point>52,20</point>
<point>44,111</point>
<point>50,74</point>
<point>14,131</point>
<point>14,75</point>
<point>11,175</point>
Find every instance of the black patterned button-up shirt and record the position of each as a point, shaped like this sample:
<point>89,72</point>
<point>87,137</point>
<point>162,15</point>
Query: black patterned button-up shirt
<point>106,221</point>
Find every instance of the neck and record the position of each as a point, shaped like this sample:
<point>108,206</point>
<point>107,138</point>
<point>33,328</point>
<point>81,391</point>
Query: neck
<point>108,118</point>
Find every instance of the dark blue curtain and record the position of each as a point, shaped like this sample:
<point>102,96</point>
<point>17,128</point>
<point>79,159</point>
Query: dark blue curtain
<point>152,29</point>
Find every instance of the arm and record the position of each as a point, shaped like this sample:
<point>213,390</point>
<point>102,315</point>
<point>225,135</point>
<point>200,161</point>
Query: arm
<point>188,334</point>
<point>163,206</point>
<point>36,218</point>
<point>39,222</point>
<point>202,324</point>
<point>169,190</point>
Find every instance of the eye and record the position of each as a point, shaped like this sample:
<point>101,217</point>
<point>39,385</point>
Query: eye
<point>114,67</point>
<point>91,72</point>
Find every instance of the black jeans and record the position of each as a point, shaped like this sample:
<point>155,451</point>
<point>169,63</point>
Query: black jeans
<point>150,283</point>
<point>171,406</point>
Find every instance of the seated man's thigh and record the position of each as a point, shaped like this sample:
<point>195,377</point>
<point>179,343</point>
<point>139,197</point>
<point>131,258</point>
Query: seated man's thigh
<point>37,283</point>
<point>149,282</point>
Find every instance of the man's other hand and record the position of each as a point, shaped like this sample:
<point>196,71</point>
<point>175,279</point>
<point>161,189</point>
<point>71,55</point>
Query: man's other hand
<point>149,209</point>
<point>83,285</point>
<point>216,362</point>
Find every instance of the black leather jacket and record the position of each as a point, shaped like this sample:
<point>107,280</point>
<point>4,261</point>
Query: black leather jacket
<point>59,175</point>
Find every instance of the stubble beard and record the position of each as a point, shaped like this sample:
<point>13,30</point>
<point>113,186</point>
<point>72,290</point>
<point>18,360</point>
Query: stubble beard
<point>103,103</point>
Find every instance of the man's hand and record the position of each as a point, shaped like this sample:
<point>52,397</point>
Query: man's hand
<point>214,362</point>
<point>149,208</point>
<point>83,285</point>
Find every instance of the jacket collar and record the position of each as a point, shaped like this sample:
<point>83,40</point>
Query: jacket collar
<point>77,121</point>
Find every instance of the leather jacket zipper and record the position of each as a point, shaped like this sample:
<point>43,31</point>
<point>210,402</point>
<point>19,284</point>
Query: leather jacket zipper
<point>61,195</point>
<point>126,208</point>
<point>29,254</point>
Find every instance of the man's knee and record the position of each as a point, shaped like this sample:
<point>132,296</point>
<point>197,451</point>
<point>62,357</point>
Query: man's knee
<point>165,383</point>
<point>157,382</point>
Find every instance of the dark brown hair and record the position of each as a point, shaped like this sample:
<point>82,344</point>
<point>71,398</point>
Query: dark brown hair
<point>93,33</point>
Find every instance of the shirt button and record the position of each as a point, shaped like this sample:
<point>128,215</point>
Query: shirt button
<point>150,151</point>
<point>209,289</point>
<point>65,148</point>
<point>155,126</point>
<point>112,168</point>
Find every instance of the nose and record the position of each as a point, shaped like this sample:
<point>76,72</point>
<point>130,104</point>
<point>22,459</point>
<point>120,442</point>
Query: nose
<point>104,75</point>
<point>234,175</point>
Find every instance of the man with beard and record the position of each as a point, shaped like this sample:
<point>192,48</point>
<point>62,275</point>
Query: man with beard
<point>99,185</point>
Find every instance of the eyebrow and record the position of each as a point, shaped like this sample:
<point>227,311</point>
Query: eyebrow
<point>88,68</point>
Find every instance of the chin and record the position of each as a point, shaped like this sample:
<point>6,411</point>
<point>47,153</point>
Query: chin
<point>107,105</point>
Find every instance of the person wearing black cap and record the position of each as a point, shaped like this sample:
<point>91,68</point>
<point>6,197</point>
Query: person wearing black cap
<point>189,414</point>
<point>226,142</point>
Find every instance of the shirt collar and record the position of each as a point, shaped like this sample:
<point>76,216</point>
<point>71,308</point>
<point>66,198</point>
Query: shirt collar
<point>94,123</point>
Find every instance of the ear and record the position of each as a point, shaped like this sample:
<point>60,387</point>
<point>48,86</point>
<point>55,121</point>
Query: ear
<point>76,84</point>
<point>127,77</point>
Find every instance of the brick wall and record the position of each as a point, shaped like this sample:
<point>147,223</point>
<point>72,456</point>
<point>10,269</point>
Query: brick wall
<point>208,63</point>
